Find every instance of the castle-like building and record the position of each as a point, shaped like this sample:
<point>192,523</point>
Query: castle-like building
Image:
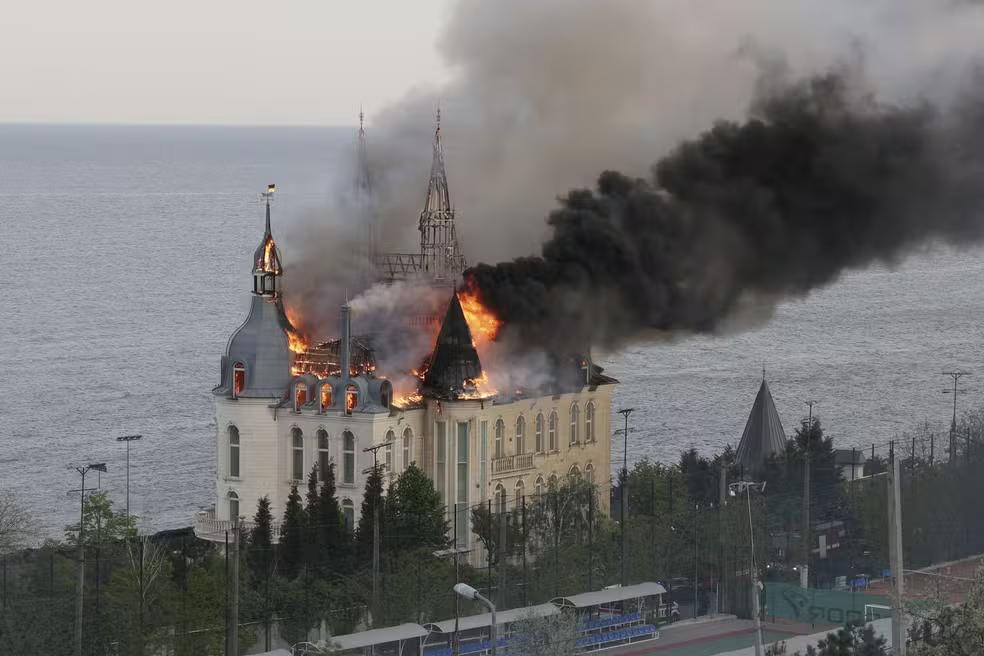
<point>282,407</point>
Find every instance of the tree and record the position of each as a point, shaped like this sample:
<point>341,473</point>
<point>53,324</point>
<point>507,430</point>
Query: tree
<point>553,635</point>
<point>333,540</point>
<point>372,502</point>
<point>492,527</point>
<point>260,554</point>
<point>853,639</point>
<point>949,630</point>
<point>415,513</point>
<point>15,523</point>
<point>102,523</point>
<point>312,544</point>
<point>292,535</point>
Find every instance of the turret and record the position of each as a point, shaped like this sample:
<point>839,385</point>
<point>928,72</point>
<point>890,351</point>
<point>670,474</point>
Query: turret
<point>267,268</point>
<point>454,367</point>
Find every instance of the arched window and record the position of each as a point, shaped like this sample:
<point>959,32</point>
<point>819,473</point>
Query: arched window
<point>575,417</point>
<point>552,431</point>
<point>520,491</point>
<point>538,487</point>
<point>238,379</point>
<point>500,498</point>
<point>500,431</point>
<point>300,396</point>
<point>589,473</point>
<point>407,447</point>
<point>348,513</point>
<point>390,438</point>
<point>233,451</point>
<point>297,453</point>
<point>324,454</point>
<point>351,398</point>
<point>348,458</point>
<point>233,506</point>
<point>539,433</point>
<point>574,472</point>
<point>520,435</point>
<point>325,396</point>
<point>589,428</point>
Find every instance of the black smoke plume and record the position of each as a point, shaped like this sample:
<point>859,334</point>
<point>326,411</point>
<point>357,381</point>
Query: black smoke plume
<point>819,179</point>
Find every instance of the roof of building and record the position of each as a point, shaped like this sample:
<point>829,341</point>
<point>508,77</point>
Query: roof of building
<point>485,619</point>
<point>610,595</point>
<point>261,345</point>
<point>454,366</point>
<point>764,435</point>
<point>849,457</point>
<point>378,636</point>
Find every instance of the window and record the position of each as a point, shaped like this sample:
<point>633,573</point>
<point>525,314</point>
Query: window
<point>574,472</point>
<point>538,487</point>
<point>589,473</point>
<point>325,397</point>
<point>441,460</point>
<point>324,454</point>
<point>348,513</point>
<point>300,396</point>
<point>233,451</point>
<point>575,416</point>
<point>297,453</point>
<point>390,438</point>
<point>483,450</point>
<point>351,398</point>
<point>589,434</point>
<point>552,431</point>
<point>500,498</point>
<point>407,447</point>
<point>500,430</point>
<point>461,502</point>
<point>538,426</point>
<point>238,379</point>
<point>233,506</point>
<point>348,458</point>
<point>520,491</point>
<point>520,436</point>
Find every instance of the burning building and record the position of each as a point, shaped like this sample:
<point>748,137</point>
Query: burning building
<point>285,404</point>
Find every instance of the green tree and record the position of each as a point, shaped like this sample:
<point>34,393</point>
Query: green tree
<point>415,513</point>
<point>853,639</point>
<point>102,523</point>
<point>334,539</point>
<point>948,630</point>
<point>260,554</point>
<point>554,635</point>
<point>312,541</point>
<point>372,501</point>
<point>292,535</point>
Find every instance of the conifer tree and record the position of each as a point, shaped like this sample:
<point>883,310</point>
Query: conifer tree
<point>372,499</point>
<point>416,513</point>
<point>260,554</point>
<point>292,535</point>
<point>312,548</point>
<point>334,539</point>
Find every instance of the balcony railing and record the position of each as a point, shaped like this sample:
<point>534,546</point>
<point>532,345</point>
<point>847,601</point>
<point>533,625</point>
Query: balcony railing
<point>207,527</point>
<point>508,464</point>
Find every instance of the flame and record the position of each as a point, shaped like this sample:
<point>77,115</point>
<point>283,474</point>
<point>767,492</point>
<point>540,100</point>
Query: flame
<point>484,325</point>
<point>404,401</point>
<point>296,343</point>
<point>480,388</point>
<point>270,262</point>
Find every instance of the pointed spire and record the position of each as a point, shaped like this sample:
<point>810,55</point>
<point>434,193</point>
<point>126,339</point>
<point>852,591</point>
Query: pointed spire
<point>454,365</point>
<point>266,258</point>
<point>764,435</point>
<point>438,196</point>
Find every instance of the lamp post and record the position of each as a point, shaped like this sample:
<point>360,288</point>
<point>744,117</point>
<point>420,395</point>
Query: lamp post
<point>735,489</point>
<point>100,467</point>
<point>465,591</point>
<point>624,488</point>
<point>128,439</point>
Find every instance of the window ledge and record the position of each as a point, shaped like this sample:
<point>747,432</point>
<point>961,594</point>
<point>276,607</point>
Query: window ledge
<point>232,479</point>
<point>346,485</point>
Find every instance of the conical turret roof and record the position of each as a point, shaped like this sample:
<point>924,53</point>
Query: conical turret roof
<point>454,366</point>
<point>764,435</point>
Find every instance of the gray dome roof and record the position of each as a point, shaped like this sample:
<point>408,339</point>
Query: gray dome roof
<point>261,345</point>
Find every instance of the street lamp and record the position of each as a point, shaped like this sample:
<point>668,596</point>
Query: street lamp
<point>465,591</point>
<point>128,439</point>
<point>100,467</point>
<point>623,488</point>
<point>735,489</point>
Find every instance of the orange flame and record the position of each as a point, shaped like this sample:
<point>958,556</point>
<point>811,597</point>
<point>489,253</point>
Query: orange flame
<point>269,263</point>
<point>296,343</point>
<point>484,325</point>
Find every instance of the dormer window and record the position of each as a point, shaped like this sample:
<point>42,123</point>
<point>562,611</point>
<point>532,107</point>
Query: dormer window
<point>325,397</point>
<point>300,396</point>
<point>238,379</point>
<point>351,398</point>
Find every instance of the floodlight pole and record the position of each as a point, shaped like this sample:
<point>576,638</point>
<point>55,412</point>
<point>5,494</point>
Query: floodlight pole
<point>623,492</point>
<point>748,485</point>
<point>81,579</point>
<point>468,592</point>
<point>128,439</point>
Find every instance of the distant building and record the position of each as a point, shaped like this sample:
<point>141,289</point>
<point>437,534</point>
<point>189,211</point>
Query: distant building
<point>850,463</point>
<point>764,436</point>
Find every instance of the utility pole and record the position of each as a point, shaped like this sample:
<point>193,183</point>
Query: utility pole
<point>374,449</point>
<point>234,595</point>
<point>128,439</point>
<point>895,556</point>
<point>735,489</point>
<point>807,450</point>
<point>80,595</point>
<point>624,488</point>
<point>956,376</point>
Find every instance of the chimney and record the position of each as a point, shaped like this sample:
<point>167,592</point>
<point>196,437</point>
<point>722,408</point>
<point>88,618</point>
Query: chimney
<point>345,346</point>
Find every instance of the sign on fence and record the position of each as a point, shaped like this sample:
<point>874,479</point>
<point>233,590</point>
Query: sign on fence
<point>812,606</point>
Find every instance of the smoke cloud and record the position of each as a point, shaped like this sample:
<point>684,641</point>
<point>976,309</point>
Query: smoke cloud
<point>543,96</point>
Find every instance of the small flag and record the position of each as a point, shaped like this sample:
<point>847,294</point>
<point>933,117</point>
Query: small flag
<point>271,188</point>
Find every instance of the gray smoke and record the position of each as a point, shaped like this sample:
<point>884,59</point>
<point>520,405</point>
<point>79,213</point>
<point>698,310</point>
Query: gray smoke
<point>543,96</point>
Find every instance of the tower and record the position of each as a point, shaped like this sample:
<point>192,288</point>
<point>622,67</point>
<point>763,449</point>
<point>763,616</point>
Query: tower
<point>363,191</point>
<point>439,252</point>
<point>454,365</point>
<point>267,268</point>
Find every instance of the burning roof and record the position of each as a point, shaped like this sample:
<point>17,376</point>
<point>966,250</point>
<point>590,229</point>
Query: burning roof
<point>455,369</point>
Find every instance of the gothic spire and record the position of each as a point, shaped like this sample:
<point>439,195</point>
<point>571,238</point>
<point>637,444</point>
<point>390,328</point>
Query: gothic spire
<point>438,196</point>
<point>363,183</point>
<point>454,366</point>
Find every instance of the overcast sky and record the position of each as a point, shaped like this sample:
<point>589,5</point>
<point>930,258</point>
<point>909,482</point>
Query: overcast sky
<point>213,61</point>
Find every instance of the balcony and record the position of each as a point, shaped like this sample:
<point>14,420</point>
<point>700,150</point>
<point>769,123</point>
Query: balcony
<point>207,527</point>
<point>508,464</point>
